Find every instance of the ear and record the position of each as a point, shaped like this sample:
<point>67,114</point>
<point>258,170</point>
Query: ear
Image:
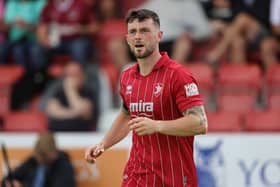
<point>127,39</point>
<point>160,35</point>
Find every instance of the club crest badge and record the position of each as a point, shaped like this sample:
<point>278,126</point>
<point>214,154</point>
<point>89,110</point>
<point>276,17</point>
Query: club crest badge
<point>128,89</point>
<point>158,87</point>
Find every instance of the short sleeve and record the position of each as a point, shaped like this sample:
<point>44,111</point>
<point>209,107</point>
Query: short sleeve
<point>122,91</point>
<point>185,90</point>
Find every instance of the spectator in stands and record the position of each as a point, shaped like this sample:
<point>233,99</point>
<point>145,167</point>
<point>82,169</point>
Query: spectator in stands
<point>47,166</point>
<point>2,8</point>
<point>66,27</point>
<point>109,10</point>
<point>20,26</point>
<point>219,13</point>
<point>249,26</point>
<point>182,24</point>
<point>112,48</point>
<point>70,103</point>
<point>270,46</point>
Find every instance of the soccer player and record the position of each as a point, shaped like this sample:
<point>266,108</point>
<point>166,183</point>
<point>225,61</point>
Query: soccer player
<point>161,106</point>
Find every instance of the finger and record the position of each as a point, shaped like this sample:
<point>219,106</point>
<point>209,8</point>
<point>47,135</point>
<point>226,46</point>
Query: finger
<point>136,120</point>
<point>139,130</point>
<point>99,150</point>
<point>91,160</point>
<point>135,126</point>
<point>88,157</point>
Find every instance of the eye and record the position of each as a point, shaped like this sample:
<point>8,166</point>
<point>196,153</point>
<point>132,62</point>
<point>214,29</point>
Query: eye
<point>144,30</point>
<point>132,32</point>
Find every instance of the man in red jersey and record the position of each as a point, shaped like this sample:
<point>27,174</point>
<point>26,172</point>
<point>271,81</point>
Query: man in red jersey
<point>163,109</point>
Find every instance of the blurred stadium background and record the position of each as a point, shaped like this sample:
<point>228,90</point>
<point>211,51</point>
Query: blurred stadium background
<point>243,107</point>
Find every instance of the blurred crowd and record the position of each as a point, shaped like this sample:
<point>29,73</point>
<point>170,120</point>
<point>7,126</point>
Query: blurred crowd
<point>72,51</point>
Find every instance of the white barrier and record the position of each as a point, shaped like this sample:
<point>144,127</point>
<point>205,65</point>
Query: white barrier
<point>223,160</point>
<point>238,160</point>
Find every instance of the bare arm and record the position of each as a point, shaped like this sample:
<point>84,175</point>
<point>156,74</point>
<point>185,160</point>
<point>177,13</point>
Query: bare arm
<point>55,110</point>
<point>192,123</point>
<point>116,133</point>
<point>276,29</point>
<point>118,130</point>
<point>42,34</point>
<point>77,103</point>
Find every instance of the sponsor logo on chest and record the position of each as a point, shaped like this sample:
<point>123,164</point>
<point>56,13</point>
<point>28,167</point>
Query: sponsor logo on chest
<point>141,106</point>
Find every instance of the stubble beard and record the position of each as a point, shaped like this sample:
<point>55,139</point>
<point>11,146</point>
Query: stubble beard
<point>145,54</point>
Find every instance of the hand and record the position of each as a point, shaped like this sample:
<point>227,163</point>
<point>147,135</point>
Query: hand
<point>20,23</point>
<point>16,183</point>
<point>93,152</point>
<point>143,126</point>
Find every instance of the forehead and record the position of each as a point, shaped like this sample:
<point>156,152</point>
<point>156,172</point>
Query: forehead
<point>140,24</point>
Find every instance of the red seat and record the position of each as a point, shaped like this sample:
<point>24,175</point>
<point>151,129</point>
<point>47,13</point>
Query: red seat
<point>239,78</point>
<point>5,103</point>
<point>204,76</point>
<point>126,5</point>
<point>114,29</point>
<point>25,122</point>
<point>236,103</point>
<point>273,78</point>
<point>273,86</point>
<point>56,70</point>
<point>224,122</point>
<point>202,48</point>
<point>9,74</point>
<point>274,102</point>
<point>109,30</point>
<point>263,121</point>
<point>238,87</point>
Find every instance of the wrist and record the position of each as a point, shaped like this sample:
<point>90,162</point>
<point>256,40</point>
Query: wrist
<point>158,126</point>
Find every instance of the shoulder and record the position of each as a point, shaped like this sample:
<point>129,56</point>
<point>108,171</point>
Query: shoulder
<point>30,162</point>
<point>128,70</point>
<point>63,158</point>
<point>63,155</point>
<point>178,69</point>
<point>129,67</point>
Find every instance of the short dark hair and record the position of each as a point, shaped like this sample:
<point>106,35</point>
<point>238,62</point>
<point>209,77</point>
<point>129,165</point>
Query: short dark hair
<point>141,15</point>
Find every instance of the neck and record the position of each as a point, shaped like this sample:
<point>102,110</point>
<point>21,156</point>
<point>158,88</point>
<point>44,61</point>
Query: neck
<point>146,64</point>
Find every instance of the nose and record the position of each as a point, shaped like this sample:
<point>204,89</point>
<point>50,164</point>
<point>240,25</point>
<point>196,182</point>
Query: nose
<point>138,35</point>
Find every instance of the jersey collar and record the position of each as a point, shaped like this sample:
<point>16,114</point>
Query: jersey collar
<point>163,61</point>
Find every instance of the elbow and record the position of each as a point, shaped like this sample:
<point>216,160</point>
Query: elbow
<point>203,129</point>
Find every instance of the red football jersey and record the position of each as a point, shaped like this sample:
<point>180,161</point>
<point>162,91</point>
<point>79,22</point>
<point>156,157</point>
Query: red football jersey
<point>159,160</point>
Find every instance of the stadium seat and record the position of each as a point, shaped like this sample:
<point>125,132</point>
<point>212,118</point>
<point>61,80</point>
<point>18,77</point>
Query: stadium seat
<point>9,74</point>
<point>236,103</point>
<point>239,78</point>
<point>274,102</point>
<point>126,5</point>
<point>56,70</point>
<point>273,77</point>
<point>263,121</point>
<point>109,30</point>
<point>5,103</point>
<point>224,122</point>
<point>272,80</point>
<point>202,48</point>
<point>25,122</point>
<point>238,87</point>
<point>204,75</point>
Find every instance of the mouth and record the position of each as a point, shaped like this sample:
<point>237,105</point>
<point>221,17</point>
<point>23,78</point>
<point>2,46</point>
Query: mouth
<point>138,46</point>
